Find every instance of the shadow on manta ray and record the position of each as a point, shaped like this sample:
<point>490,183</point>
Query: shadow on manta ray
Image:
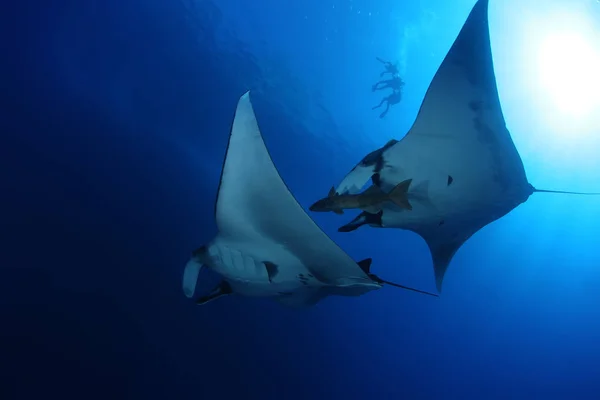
<point>267,246</point>
<point>464,167</point>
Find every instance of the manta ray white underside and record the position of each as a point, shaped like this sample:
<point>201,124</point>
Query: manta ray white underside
<point>267,246</point>
<point>465,169</point>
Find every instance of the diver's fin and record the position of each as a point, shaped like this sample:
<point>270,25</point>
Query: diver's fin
<point>398,194</point>
<point>301,299</point>
<point>331,192</point>
<point>222,289</point>
<point>365,265</point>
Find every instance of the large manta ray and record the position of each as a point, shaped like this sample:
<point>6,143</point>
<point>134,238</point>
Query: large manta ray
<point>267,246</point>
<point>465,169</point>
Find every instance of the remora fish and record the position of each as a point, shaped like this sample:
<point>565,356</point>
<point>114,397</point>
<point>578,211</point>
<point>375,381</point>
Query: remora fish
<point>369,200</point>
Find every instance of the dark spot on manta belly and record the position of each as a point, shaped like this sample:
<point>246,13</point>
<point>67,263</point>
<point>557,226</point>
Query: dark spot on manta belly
<point>376,179</point>
<point>304,279</point>
<point>272,269</point>
<point>476,105</point>
<point>450,180</point>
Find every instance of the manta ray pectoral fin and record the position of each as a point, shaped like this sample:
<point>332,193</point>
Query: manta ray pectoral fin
<point>459,142</point>
<point>357,178</point>
<point>222,289</point>
<point>302,298</point>
<point>364,218</point>
<point>442,252</point>
<point>355,223</point>
<point>256,210</point>
<point>374,209</point>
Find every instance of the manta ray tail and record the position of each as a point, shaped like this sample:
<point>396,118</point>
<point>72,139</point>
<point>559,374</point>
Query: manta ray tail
<point>365,265</point>
<point>564,192</point>
<point>404,287</point>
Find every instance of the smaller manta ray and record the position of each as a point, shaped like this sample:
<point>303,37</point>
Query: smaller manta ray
<point>267,246</point>
<point>458,153</point>
<point>370,200</point>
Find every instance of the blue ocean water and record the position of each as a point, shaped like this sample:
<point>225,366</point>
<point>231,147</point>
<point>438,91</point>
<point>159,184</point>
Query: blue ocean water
<point>114,121</point>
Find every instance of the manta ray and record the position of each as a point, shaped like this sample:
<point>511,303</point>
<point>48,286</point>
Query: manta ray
<point>465,169</point>
<point>266,245</point>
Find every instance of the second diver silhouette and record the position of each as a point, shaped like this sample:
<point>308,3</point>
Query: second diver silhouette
<point>390,68</point>
<point>390,100</point>
<point>396,83</point>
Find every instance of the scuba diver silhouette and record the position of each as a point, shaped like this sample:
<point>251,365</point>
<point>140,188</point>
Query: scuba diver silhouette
<point>389,67</point>
<point>396,83</point>
<point>392,99</point>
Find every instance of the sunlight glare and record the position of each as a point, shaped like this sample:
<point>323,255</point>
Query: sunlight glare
<point>568,66</point>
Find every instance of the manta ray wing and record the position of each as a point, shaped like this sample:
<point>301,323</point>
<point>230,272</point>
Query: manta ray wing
<point>254,206</point>
<point>459,145</point>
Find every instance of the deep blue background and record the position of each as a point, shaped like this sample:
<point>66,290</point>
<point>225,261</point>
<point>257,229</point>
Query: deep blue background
<point>113,124</point>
